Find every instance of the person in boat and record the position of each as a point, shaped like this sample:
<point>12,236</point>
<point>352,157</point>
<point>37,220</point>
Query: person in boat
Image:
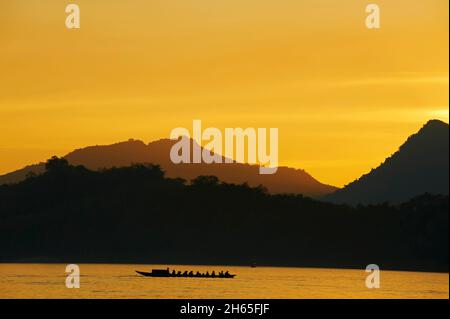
<point>213,274</point>
<point>179,273</point>
<point>198,274</point>
<point>185,273</point>
<point>227,274</point>
<point>221,273</point>
<point>191,273</point>
<point>174,273</point>
<point>207,274</point>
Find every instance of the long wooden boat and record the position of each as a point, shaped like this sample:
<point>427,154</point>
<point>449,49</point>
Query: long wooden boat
<point>168,274</point>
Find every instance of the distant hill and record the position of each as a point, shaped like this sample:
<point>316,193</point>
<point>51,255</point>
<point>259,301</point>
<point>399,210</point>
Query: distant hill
<point>421,165</point>
<point>285,180</point>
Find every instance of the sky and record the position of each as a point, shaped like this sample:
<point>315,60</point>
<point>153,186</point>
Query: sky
<point>344,97</point>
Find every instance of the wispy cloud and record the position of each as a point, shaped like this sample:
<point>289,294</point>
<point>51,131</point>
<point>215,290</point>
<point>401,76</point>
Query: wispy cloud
<point>392,80</point>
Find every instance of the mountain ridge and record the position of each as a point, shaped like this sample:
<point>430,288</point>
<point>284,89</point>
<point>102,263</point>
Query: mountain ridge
<point>420,165</point>
<point>285,180</point>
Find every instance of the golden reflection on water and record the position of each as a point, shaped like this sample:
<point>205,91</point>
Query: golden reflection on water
<point>121,281</point>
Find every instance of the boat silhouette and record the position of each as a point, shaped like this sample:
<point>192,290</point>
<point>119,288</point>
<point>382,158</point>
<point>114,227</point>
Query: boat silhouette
<point>167,273</point>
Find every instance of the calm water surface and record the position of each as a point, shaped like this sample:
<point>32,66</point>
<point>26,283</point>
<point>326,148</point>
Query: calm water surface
<point>121,281</point>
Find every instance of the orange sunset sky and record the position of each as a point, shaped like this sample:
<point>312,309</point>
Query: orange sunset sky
<point>343,97</point>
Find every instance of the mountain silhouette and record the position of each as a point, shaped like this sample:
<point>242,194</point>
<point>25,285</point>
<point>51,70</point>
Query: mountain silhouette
<point>419,166</point>
<point>285,180</point>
